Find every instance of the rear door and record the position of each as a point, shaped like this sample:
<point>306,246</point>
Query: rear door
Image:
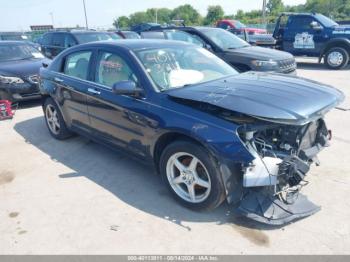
<point>72,85</point>
<point>118,120</point>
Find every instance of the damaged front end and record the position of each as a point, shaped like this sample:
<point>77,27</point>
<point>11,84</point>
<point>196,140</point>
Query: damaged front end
<point>282,157</point>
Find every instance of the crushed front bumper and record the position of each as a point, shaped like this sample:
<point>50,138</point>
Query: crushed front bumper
<point>260,206</point>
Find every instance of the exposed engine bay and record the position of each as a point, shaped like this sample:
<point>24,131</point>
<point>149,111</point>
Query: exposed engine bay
<point>283,155</point>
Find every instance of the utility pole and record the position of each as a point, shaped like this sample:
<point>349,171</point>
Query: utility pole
<point>52,21</point>
<point>86,21</point>
<point>156,16</point>
<point>264,12</point>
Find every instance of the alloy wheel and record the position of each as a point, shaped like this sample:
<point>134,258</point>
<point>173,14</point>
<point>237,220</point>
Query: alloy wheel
<point>52,119</point>
<point>188,177</point>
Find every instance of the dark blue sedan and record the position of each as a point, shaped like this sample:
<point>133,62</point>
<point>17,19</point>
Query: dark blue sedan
<point>212,133</point>
<point>19,71</point>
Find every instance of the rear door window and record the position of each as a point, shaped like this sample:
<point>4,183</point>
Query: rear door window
<point>58,40</point>
<point>77,64</point>
<point>69,41</point>
<point>46,40</point>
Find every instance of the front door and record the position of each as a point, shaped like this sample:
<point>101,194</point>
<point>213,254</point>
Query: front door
<point>118,119</point>
<point>300,38</point>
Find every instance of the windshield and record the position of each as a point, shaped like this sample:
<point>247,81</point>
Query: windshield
<point>175,67</point>
<point>224,39</point>
<point>13,52</point>
<point>92,37</point>
<point>324,20</point>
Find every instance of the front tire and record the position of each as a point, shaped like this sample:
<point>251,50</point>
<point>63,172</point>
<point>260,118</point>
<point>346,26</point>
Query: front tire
<point>54,120</point>
<point>192,175</point>
<point>336,58</point>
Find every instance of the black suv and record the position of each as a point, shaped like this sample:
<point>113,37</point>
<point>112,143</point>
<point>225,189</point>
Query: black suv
<point>235,51</point>
<point>53,43</point>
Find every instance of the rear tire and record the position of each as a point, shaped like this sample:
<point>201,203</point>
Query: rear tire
<point>192,175</point>
<point>54,120</point>
<point>336,58</point>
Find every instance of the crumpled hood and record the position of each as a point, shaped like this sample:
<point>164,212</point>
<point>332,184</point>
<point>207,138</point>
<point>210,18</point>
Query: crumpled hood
<point>273,97</point>
<point>22,67</point>
<point>261,53</point>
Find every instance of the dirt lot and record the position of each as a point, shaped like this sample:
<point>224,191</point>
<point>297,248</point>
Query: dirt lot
<point>77,197</point>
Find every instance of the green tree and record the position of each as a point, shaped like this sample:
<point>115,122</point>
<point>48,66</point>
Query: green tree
<point>275,7</point>
<point>215,13</point>
<point>121,22</point>
<point>186,13</point>
<point>240,15</point>
<point>140,17</point>
<point>159,15</point>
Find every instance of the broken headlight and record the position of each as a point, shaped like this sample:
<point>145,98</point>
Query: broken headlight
<point>10,80</point>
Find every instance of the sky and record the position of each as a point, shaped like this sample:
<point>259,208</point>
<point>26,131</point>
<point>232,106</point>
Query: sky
<point>20,14</point>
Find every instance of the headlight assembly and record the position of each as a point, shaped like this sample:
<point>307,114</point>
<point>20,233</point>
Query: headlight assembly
<point>10,80</point>
<point>264,63</point>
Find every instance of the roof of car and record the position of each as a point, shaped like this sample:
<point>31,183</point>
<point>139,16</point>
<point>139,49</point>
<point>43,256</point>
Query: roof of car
<point>76,32</point>
<point>12,42</point>
<point>182,28</point>
<point>135,44</point>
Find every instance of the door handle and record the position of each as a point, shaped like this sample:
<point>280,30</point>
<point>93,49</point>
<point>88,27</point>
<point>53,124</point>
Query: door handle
<point>93,91</point>
<point>58,80</point>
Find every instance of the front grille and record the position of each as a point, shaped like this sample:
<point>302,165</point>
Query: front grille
<point>34,79</point>
<point>287,65</point>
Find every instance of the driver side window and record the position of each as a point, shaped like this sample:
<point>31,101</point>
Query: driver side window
<point>111,69</point>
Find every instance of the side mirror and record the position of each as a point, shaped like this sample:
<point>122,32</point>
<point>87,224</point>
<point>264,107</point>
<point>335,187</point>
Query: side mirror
<point>316,26</point>
<point>127,88</point>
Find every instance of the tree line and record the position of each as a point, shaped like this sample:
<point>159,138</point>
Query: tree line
<point>336,9</point>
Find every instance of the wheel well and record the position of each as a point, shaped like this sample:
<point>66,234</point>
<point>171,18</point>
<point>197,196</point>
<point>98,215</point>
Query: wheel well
<point>337,44</point>
<point>166,140</point>
<point>43,99</point>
